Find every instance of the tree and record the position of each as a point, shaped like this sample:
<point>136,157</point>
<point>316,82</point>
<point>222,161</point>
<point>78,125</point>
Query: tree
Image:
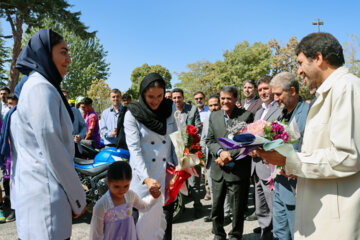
<point>351,49</point>
<point>139,73</point>
<point>243,62</point>
<point>87,58</point>
<point>99,92</point>
<point>284,57</point>
<point>198,78</point>
<point>4,55</point>
<point>32,13</point>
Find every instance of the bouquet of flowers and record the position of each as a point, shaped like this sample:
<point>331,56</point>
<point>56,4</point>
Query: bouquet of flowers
<point>188,151</point>
<point>268,135</point>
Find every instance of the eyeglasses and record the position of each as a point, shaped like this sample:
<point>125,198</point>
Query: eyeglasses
<point>200,98</point>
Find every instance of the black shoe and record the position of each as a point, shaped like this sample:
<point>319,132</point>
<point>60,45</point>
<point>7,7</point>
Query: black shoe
<point>207,219</point>
<point>252,217</point>
<point>11,216</point>
<point>227,220</point>
<point>257,230</point>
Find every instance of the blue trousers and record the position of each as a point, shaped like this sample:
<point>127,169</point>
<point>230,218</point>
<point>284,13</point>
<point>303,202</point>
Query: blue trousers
<point>283,218</point>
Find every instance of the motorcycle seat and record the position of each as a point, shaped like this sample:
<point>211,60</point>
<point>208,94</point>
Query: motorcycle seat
<point>81,161</point>
<point>93,171</point>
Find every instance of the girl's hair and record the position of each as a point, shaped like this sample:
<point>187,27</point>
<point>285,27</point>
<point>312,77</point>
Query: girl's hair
<point>55,38</point>
<point>120,170</point>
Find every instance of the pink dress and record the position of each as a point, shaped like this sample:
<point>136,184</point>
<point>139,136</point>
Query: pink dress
<point>111,222</point>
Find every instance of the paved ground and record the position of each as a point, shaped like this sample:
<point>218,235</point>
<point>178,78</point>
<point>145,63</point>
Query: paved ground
<point>185,228</point>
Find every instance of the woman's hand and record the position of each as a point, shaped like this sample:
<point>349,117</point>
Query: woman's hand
<point>153,186</point>
<point>82,212</point>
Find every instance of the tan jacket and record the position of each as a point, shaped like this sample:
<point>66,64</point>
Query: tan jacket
<point>328,188</point>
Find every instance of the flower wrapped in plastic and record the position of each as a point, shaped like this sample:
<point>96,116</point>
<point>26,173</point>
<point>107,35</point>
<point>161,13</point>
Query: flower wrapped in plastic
<point>268,135</point>
<point>186,142</point>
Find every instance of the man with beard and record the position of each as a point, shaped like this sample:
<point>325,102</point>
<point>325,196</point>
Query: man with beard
<point>251,102</point>
<point>328,165</point>
<point>199,99</point>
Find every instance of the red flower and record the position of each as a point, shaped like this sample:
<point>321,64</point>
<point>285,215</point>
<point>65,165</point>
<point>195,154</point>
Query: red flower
<point>196,139</point>
<point>195,147</point>
<point>191,129</point>
<point>199,154</point>
<point>187,151</point>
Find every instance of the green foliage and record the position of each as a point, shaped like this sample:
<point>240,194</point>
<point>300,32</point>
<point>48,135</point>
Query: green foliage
<point>243,62</point>
<point>351,50</point>
<point>139,73</point>
<point>199,78</point>
<point>4,59</point>
<point>283,58</point>
<point>33,14</point>
<point>99,92</point>
<point>87,59</point>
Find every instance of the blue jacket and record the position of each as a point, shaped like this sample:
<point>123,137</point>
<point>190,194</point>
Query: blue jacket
<point>286,188</point>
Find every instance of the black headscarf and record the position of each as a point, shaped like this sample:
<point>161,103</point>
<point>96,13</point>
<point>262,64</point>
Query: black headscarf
<point>155,120</point>
<point>36,56</point>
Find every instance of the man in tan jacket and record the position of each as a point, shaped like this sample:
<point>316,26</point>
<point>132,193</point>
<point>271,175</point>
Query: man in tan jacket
<point>328,187</point>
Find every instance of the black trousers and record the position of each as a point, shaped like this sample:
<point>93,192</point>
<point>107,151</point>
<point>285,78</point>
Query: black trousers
<point>168,211</point>
<point>238,193</point>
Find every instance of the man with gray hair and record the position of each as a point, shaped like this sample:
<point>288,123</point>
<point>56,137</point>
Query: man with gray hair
<point>285,88</point>
<point>226,173</point>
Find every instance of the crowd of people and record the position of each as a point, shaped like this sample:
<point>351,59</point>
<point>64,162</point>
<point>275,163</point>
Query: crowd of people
<point>316,196</point>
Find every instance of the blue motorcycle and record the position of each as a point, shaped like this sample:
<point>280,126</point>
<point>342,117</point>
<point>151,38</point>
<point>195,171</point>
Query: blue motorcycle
<point>92,172</point>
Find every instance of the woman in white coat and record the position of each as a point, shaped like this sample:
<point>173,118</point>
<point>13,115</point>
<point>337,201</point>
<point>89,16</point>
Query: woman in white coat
<point>148,124</point>
<point>46,191</point>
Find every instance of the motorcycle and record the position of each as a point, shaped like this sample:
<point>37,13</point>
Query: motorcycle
<point>92,172</point>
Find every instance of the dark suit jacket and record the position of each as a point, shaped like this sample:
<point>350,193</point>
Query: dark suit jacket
<point>217,128</point>
<point>192,116</point>
<point>254,105</point>
<point>262,169</point>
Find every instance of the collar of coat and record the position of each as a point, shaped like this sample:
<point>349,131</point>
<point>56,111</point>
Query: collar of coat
<point>329,82</point>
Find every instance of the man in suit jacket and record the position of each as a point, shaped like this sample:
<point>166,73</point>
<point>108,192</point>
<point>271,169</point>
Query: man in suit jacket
<point>328,166</point>
<point>260,171</point>
<point>285,88</point>
<point>190,116</point>
<point>214,105</point>
<point>251,102</point>
<point>226,172</point>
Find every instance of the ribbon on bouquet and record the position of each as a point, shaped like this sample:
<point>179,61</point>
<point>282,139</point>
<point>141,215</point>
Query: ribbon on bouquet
<point>245,142</point>
<point>176,183</point>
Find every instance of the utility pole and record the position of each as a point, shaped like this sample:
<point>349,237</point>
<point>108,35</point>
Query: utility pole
<point>318,22</point>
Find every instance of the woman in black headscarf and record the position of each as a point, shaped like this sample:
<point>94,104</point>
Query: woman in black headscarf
<point>148,124</point>
<point>46,191</point>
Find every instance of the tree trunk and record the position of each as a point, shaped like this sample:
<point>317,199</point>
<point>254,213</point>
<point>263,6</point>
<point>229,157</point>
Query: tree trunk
<point>17,32</point>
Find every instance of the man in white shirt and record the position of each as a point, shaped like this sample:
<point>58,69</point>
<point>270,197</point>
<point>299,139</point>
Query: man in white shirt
<point>328,165</point>
<point>109,119</point>
<point>4,93</point>
<point>199,99</point>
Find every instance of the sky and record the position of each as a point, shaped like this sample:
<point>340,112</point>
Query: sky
<point>176,33</point>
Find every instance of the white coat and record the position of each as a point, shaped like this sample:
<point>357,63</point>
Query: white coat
<point>149,152</point>
<point>45,187</point>
<point>328,166</point>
